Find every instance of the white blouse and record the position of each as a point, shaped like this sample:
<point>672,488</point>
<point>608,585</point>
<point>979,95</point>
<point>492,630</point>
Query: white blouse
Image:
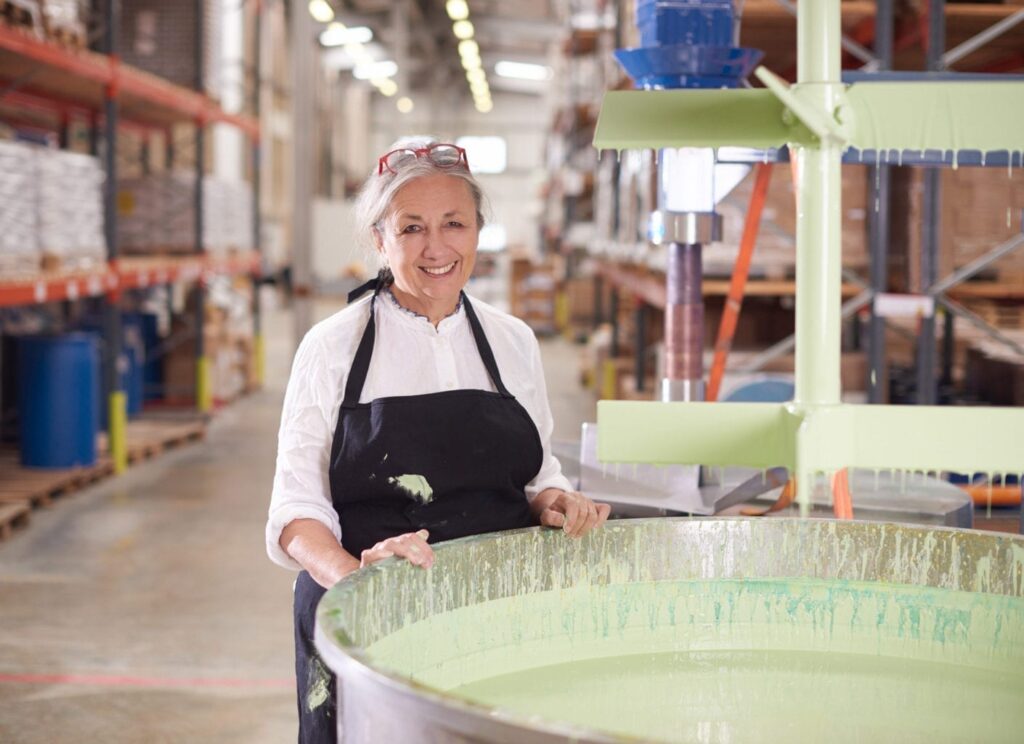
<point>410,357</point>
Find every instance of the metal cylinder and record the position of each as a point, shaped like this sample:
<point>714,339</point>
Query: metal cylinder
<point>684,325</point>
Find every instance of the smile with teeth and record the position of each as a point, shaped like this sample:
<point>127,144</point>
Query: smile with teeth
<point>439,270</point>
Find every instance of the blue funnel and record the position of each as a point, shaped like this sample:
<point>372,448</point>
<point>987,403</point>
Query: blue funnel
<point>687,44</point>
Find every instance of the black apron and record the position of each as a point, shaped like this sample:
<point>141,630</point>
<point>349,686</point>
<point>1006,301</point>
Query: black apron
<point>475,450</point>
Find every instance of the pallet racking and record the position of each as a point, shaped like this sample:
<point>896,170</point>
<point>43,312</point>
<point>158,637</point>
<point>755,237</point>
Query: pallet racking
<point>45,85</point>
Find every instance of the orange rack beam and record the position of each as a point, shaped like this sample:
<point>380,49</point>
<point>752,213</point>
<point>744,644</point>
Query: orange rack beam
<point>129,273</point>
<point>86,78</point>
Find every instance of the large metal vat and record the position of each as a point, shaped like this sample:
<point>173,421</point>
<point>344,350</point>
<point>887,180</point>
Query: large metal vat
<point>700,630</point>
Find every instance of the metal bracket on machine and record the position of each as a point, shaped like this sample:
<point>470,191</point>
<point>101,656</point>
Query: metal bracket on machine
<point>687,227</point>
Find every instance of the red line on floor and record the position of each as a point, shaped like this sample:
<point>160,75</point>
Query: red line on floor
<point>118,680</point>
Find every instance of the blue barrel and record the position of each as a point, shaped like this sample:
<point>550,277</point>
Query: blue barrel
<point>132,371</point>
<point>58,405</point>
<point>147,325</point>
<point>130,364</point>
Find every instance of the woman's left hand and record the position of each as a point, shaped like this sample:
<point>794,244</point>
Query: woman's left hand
<point>569,510</point>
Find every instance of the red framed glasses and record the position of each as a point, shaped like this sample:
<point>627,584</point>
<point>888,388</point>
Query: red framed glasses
<point>441,154</point>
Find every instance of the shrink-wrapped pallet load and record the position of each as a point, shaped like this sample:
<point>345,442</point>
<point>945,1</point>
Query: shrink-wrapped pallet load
<point>70,209</point>
<point>156,214</point>
<point>19,247</point>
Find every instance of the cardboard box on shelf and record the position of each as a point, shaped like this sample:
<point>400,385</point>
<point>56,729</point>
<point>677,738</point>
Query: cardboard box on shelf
<point>580,296</point>
<point>532,288</point>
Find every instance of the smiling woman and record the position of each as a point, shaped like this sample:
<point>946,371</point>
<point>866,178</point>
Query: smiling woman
<point>428,240</point>
<point>415,416</point>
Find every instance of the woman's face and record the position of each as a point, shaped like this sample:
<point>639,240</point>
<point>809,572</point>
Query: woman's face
<point>428,237</point>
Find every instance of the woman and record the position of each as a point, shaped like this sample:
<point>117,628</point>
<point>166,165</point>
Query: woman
<point>413,416</point>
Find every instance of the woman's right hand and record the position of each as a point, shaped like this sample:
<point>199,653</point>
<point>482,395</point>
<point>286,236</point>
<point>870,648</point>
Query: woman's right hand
<point>412,546</point>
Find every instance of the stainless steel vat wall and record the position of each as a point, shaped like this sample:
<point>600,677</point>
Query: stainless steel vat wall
<point>372,605</point>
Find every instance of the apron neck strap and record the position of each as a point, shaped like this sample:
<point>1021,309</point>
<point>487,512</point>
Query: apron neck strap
<point>484,347</point>
<point>361,363</point>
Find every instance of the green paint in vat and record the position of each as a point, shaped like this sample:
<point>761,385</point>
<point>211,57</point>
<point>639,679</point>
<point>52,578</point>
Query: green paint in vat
<point>690,630</point>
<point>767,696</point>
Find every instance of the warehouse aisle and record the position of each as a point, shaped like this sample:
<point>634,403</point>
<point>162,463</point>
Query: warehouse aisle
<point>145,609</point>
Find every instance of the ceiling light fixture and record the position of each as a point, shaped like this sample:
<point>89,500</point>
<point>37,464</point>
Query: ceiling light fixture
<point>484,107</point>
<point>463,30</point>
<point>371,70</point>
<point>336,35</point>
<point>387,87</point>
<point>469,48</point>
<point>458,10</point>
<point>476,76</point>
<point>404,104</point>
<point>522,71</point>
<point>321,11</point>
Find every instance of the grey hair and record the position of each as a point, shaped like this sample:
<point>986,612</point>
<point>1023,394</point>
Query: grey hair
<point>375,197</point>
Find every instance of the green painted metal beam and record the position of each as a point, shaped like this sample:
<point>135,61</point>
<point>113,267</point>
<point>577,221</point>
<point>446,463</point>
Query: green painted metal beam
<point>920,438</point>
<point>754,434</point>
<point>887,116</point>
<point>632,120</point>
<point>814,438</point>
<point>938,116</point>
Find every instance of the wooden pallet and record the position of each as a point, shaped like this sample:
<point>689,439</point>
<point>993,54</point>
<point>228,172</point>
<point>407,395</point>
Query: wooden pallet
<point>148,438</point>
<point>13,516</point>
<point>39,486</point>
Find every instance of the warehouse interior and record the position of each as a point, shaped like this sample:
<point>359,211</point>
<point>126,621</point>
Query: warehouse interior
<point>773,256</point>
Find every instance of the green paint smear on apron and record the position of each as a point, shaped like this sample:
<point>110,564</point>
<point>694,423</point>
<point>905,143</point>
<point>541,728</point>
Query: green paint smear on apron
<point>735,660</point>
<point>319,679</point>
<point>414,485</point>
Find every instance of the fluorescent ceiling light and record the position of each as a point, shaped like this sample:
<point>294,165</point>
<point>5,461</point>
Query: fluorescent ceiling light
<point>522,71</point>
<point>368,71</point>
<point>321,11</point>
<point>463,29</point>
<point>337,34</point>
<point>404,104</point>
<point>458,10</point>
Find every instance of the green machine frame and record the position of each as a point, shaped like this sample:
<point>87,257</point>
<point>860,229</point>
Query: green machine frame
<point>818,118</point>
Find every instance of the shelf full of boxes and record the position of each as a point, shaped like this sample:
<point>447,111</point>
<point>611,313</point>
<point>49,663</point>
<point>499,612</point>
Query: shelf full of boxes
<point>610,278</point>
<point>127,281</point>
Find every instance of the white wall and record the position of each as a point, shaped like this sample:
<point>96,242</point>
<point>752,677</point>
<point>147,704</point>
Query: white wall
<point>334,244</point>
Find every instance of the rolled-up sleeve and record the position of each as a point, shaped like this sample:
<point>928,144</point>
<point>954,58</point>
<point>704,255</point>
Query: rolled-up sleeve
<point>550,474</point>
<point>301,486</point>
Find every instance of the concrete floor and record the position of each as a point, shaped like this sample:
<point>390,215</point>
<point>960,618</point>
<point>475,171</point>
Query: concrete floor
<point>144,609</point>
